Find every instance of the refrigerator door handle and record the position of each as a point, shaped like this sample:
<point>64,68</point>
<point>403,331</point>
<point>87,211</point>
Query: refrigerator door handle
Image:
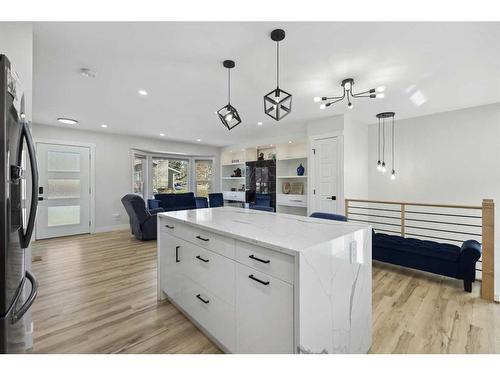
<point>26,235</point>
<point>18,314</point>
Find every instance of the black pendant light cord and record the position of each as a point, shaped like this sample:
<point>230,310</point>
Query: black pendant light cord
<point>379,140</point>
<point>229,86</point>
<point>383,141</point>
<point>393,143</point>
<point>277,64</point>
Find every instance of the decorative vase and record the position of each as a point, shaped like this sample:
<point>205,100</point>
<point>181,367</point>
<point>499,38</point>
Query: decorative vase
<point>300,170</point>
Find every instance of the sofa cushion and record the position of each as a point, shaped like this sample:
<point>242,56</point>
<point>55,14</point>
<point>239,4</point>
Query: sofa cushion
<point>429,249</point>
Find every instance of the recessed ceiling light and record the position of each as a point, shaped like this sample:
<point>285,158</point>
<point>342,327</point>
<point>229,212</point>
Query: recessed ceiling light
<point>290,141</point>
<point>259,123</point>
<point>198,140</point>
<point>87,73</point>
<point>104,126</point>
<point>270,145</point>
<point>67,121</point>
<point>162,135</point>
<point>142,92</point>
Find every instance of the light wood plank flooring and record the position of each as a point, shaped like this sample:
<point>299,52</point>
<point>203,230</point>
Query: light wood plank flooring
<point>98,295</point>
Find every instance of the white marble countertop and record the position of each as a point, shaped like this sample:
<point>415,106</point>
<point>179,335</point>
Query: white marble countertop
<point>289,233</point>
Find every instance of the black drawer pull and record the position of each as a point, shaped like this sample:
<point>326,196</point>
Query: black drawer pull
<point>170,226</point>
<point>203,260</point>
<point>205,301</point>
<point>259,260</point>
<point>259,281</point>
<point>177,260</point>
<point>203,239</point>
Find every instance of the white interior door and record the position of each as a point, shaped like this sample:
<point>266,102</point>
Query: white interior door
<point>324,176</point>
<point>64,206</point>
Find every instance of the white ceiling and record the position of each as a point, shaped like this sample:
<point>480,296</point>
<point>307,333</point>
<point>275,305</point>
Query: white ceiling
<point>452,65</point>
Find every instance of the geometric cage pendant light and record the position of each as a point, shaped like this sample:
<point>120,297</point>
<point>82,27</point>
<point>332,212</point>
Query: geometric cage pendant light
<point>228,115</point>
<point>277,103</point>
<point>382,118</point>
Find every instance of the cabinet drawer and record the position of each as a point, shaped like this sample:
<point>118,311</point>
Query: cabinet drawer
<point>295,200</point>
<point>213,314</point>
<point>234,196</point>
<point>169,226</point>
<point>208,240</point>
<point>268,261</point>
<point>215,272</point>
<point>264,310</point>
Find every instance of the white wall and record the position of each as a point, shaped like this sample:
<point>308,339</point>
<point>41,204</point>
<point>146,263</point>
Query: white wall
<point>355,158</point>
<point>16,42</point>
<point>113,165</point>
<point>451,157</point>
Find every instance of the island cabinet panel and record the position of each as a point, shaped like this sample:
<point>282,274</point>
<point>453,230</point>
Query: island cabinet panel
<point>215,272</point>
<point>171,267</point>
<point>273,263</point>
<point>264,310</point>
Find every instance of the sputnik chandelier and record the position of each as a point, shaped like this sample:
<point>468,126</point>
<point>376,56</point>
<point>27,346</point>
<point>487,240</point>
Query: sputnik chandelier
<point>348,93</point>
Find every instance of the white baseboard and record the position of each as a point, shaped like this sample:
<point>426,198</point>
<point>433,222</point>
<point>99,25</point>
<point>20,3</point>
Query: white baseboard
<point>497,297</point>
<point>112,228</point>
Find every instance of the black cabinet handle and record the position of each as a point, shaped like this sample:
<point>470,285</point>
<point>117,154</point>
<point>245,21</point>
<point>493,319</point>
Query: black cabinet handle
<point>205,301</point>
<point>170,226</point>
<point>259,260</point>
<point>203,260</point>
<point>203,239</point>
<point>258,280</point>
<point>177,260</point>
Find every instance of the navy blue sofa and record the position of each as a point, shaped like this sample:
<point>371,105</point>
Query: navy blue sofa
<point>442,259</point>
<point>142,221</point>
<point>173,202</point>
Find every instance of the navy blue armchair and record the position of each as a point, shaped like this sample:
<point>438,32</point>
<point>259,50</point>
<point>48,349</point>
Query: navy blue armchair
<point>142,220</point>
<point>324,215</point>
<point>262,203</point>
<point>173,202</point>
<point>216,200</point>
<point>201,202</point>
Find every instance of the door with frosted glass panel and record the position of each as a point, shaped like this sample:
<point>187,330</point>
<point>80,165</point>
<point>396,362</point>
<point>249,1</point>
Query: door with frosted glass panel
<point>64,206</point>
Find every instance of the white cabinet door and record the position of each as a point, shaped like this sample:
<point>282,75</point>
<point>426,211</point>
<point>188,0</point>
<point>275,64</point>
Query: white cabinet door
<point>173,253</point>
<point>264,313</point>
<point>324,175</point>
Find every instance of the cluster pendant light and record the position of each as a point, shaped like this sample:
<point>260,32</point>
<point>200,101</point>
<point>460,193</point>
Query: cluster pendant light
<point>381,166</point>
<point>277,103</point>
<point>348,93</point>
<point>228,114</point>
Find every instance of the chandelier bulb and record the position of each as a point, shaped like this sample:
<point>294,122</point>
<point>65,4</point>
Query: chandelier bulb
<point>379,165</point>
<point>393,175</point>
<point>229,117</point>
<point>317,99</point>
<point>350,105</point>
<point>380,95</point>
<point>384,169</point>
<point>322,106</point>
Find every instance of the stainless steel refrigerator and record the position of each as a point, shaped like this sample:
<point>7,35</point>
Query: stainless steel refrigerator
<point>18,203</point>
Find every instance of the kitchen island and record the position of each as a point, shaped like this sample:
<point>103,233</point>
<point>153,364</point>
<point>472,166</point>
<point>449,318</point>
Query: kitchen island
<point>260,282</point>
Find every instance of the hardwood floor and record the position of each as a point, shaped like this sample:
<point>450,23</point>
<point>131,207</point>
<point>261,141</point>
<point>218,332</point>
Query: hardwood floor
<point>98,295</point>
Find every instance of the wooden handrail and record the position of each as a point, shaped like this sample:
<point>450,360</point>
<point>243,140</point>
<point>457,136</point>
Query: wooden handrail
<point>487,217</point>
<point>417,204</point>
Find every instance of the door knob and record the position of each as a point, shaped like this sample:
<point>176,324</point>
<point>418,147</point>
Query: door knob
<point>333,198</point>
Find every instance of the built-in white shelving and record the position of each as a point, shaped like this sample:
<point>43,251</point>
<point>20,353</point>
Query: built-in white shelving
<point>288,157</point>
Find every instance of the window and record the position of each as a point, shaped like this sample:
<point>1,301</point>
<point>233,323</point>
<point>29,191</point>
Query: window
<point>170,176</point>
<point>139,174</point>
<point>203,177</point>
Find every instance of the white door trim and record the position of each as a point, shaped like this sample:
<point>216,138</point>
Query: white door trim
<point>340,169</point>
<point>91,146</point>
